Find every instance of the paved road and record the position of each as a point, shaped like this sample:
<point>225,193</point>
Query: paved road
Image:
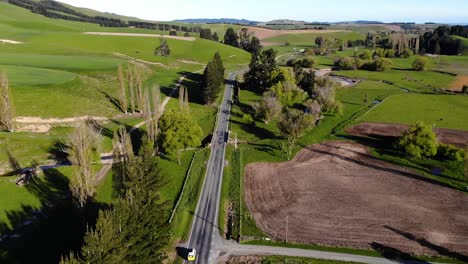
<point>204,229</point>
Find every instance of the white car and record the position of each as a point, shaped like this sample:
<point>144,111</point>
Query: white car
<point>192,255</point>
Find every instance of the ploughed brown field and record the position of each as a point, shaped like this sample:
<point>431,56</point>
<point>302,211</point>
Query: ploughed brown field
<point>458,138</point>
<point>336,194</point>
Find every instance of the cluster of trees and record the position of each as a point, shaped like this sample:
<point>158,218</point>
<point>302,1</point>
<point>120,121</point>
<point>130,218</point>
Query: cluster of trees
<point>53,9</point>
<point>131,97</point>
<point>303,63</point>
<point>326,45</point>
<point>461,31</point>
<point>56,10</point>
<point>244,40</point>
<point>420,141</point>
<point>363,62</point>
<point>295,99</point>
<point>7,111</point>
<point>136,228</point>
<point>441,41</point>
<point>205,33</point>
<point>213,79</point>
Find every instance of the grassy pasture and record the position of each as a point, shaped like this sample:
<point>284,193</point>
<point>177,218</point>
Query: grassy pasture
<point>70,63</point>
<point>19,75</point>
<point>425,81</point>
<point>444,111</point>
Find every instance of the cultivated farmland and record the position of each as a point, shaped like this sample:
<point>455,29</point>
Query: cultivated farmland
<point>335,193</point>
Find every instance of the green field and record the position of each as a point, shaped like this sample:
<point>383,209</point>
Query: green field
<point>424,82</point>
<point>445,111</point>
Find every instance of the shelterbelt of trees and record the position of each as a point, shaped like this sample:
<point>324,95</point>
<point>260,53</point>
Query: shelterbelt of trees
<point>53,9</point>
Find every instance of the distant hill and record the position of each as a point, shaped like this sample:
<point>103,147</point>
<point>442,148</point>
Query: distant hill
<point>360,22</point>
<point>217,21</point>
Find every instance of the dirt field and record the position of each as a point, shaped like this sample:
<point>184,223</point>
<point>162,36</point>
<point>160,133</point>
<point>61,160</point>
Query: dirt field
<point>458,83</point>
<point>458,138</point>
<point>265,33</point>
<point>336,194</point>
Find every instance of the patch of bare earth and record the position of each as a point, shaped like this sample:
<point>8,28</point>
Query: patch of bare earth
<point>265,33</point>
<point>336,194</point>
<point>458,138</point>
<point>458,83</point>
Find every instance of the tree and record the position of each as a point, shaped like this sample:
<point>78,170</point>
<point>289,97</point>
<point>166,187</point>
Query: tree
<point>206,34</point>
<point>213,79</point>
<point>259,77</point>
<point>383,64</point>
<point>163,49</point>
<point>319,41</point>
<point>7,112</point>
<point>465,89</point>
<point>292,125</point>
<point>255,46</point>
<point>315,109</point>
<point>135,229</point>
<point>123,90</point>
<point>215,37</point>
<point>420,63</point>
<point>419,141</point>
<point>268,108</point>
<point>287,93</point>
<point>231,38</point>
<point>83,145</point>
<point>244,39</point>
<point>178,132</point>
<point>366,55</point>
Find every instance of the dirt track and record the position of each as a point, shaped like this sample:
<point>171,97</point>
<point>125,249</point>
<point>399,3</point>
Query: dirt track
<point>336,194</point>
<point>458,138</point>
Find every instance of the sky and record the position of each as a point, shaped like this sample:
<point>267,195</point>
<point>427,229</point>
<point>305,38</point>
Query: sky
<point>447,11</point>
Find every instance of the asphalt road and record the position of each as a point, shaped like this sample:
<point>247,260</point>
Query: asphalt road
<point>204,229</point>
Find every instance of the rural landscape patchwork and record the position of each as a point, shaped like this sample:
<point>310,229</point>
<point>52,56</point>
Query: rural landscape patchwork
<point>137,132</point>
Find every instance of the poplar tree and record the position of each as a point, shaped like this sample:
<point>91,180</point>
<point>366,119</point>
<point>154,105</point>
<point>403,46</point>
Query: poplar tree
<point>7,112</point>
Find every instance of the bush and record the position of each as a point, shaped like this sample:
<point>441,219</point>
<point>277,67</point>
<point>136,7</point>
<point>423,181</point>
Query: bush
<point>465,89</point>
<point>420,63</point>
<point>390,54</point>
<point>308,63</point>
<point>187,34</point>
<point>287,44</point>
<point>345,63</point>
<point>449,152</point>
<point>406,53</point>
<point>383,64</point>
<point>172,33</point>
<point>366,55</point>
<point>419,141</point>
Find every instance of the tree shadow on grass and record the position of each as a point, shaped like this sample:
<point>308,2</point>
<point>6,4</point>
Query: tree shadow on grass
<point>44,234</point>
<point>259,132</point>
<point>193,83</point>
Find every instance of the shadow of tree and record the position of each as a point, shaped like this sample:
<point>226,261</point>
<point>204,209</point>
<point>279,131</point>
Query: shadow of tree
<point>425,243</point>
<point>43,235</point>
<point>395,254</point>
<point>193,83</point>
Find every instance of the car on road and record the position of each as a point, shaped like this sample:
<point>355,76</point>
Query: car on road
<point>192,255</point>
